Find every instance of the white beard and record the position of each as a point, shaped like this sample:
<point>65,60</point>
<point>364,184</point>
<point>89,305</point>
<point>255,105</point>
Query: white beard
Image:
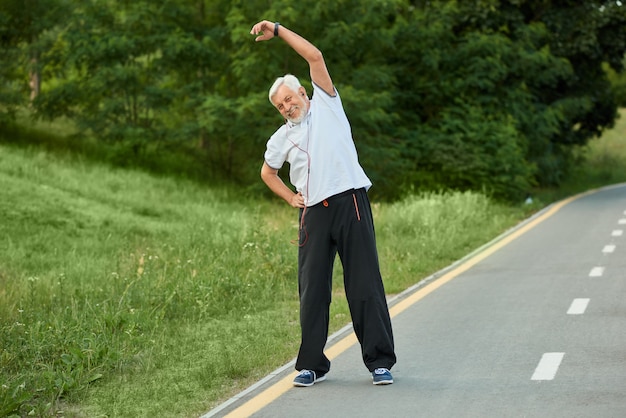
<point>297,120</point>
<point>303,112</point>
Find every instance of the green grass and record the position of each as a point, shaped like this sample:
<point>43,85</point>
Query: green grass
<point>103,272</point>
<point>125,294</point>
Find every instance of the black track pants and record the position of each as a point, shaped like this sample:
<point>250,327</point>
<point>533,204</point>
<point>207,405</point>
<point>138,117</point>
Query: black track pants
<point>342,224</point>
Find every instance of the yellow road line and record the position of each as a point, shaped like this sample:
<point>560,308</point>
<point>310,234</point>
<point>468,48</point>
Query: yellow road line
<point>276,390</point>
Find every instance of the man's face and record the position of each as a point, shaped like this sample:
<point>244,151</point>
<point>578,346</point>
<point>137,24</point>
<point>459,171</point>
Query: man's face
<point>293,105</point>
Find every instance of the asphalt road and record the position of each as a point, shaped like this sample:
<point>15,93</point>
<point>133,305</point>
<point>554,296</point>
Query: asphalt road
<point>533,325</point>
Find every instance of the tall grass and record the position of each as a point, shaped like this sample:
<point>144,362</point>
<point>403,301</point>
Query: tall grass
<point>103,270</point>
<point>424,233</point>
<point>124,294</point>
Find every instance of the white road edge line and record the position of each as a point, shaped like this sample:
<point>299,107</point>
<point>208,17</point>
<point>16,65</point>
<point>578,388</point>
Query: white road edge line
<point>608,248</point>
<point>596,272</point>
<point>548,366</point>
<point>578,306</point>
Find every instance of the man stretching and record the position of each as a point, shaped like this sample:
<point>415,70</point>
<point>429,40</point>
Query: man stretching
<point>335,214</point>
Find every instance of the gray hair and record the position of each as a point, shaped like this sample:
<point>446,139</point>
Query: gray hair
<point>289,80</point>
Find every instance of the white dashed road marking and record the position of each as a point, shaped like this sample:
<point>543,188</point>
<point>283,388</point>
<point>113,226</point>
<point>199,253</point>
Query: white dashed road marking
<point>578,307</point>
<point>622,222</point>
<point>617,233</point>
<point>548,366</point>
<point>608,248</point>
<point>596,272</point>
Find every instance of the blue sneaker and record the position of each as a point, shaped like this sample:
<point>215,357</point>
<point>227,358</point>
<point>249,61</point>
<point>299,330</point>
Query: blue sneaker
<point>382,376</point>
<point>308,378</point>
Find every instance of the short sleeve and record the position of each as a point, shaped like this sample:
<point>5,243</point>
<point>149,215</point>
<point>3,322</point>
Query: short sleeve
<point>275,153</point>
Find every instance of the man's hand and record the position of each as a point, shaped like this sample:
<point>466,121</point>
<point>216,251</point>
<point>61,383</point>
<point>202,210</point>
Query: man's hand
<point>265,28</point>
<point>297,200</point>
<point>275,183</point>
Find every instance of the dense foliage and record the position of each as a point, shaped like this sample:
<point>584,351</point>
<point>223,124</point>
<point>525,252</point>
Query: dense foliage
<point>487,95</point>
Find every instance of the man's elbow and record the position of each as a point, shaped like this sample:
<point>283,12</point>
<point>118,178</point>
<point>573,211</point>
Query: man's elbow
<point>316,56</point>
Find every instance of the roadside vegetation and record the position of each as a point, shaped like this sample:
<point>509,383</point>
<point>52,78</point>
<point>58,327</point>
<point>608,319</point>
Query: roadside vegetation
<point>124,293</point>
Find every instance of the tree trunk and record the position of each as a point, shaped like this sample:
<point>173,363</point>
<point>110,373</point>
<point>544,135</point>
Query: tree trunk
<point>34,76</point>
<point>201,10</point>
<point>203,140</point>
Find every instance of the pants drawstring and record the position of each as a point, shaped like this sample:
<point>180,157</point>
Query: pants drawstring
<point>356,207</point>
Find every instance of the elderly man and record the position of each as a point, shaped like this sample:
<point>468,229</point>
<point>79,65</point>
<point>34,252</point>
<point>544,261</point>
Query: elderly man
<point>335,214</point>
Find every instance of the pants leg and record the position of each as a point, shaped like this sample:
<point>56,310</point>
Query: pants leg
<point>315,267</point>
<point>356,240</point>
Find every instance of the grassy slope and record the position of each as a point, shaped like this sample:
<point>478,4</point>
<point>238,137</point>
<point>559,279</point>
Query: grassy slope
<point>103,272</point>
<point>126,294</point>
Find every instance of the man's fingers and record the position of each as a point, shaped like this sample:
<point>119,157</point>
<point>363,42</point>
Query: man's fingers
<point>264,36</point>
<point>263,30</point>
<point>256,29</point>
<point>297,201</point>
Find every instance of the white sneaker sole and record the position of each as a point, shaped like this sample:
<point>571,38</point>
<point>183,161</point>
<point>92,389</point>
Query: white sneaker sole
<point>383,382</point>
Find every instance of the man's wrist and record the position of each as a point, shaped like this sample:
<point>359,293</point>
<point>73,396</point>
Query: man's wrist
<point>276,25</point>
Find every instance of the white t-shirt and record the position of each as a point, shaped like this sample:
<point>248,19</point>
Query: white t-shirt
<point>320,151</point>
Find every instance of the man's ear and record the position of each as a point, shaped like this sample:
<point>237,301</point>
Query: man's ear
<point>302,91</point>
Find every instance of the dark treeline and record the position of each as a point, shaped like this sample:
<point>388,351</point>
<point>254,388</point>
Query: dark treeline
<point>489,95</point>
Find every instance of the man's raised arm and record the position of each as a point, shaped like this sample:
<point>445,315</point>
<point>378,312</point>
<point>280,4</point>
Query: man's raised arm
<point>265,30</point>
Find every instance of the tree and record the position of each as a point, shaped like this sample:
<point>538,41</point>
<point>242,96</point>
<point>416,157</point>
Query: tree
<point>24,29</point>
<point>460,93</point>
<point>618,83</point>
<point>533,65</point>
<point>585,34</point>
